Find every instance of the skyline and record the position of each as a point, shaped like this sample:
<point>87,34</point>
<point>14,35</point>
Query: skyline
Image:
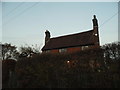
<point>60,1</point>
<point>27,23</point>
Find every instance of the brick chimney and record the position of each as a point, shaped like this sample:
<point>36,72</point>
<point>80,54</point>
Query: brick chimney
<point>47,37</point>
<point>95,28</point>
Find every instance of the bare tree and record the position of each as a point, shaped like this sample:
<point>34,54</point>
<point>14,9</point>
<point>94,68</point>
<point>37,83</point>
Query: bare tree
<point>9,51</point>
<point>28,51</point>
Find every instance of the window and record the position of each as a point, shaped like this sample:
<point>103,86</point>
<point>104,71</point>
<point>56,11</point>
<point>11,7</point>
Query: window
<point>84,47</point>
<point>47,51</point>
<point>62,50</point>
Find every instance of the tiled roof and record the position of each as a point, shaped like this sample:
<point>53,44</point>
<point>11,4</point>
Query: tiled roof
<point>72,40</point>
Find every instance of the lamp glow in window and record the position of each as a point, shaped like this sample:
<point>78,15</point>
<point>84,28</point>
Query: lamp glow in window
<point>68,62</point>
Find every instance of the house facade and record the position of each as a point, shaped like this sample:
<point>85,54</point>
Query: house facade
<point>73,42</point>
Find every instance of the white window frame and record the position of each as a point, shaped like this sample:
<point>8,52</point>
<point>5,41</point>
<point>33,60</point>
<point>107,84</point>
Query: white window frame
<point>47,51</point>
<point>62,50</point>
<point>84,47</point>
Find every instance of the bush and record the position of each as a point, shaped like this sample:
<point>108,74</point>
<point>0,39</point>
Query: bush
<point>85,69</point>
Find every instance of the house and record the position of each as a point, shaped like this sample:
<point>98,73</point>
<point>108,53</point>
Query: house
<point>73,42</point>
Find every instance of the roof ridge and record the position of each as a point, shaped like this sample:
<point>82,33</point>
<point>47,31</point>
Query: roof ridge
<point>72,34</point>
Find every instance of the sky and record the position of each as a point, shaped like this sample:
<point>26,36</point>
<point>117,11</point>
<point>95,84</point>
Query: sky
<point>25,22</point>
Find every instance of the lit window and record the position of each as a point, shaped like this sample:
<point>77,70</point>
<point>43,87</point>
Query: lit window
<point>68,62</point>
<point>62,50</point>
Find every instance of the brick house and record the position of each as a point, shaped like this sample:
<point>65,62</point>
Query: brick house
<point>73,42</point>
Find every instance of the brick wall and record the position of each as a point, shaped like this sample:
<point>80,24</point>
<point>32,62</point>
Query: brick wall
<point>74,49</point>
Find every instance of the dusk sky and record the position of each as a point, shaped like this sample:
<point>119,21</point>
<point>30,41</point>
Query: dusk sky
<point>25,22</point>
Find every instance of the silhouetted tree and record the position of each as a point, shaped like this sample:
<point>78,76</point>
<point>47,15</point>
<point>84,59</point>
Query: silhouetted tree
<point>9,51</point>
<point>28,51</point>
<point>111,52</point>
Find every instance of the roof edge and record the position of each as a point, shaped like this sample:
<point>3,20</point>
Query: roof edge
<point>72,34</point>
<point>67,47</point>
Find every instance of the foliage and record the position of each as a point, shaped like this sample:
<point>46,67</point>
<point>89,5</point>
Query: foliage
<point>9,51</point>
<point>85,69</point>
<point>112,50</point>
<point>111,53</point>
<point>7,67</point>
<point>28,51</point>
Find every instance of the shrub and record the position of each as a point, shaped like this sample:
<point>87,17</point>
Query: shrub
<point>85,69</point>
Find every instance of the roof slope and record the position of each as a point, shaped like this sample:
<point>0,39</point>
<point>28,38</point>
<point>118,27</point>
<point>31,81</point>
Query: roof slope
<point>73,40</point>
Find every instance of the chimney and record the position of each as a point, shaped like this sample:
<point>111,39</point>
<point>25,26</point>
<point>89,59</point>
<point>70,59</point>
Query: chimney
<point>95,22</point>
<point>47,37</point>
<point>95,29</point>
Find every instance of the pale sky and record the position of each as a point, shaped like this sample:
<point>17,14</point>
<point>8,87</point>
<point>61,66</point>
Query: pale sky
<point>25,22</point>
